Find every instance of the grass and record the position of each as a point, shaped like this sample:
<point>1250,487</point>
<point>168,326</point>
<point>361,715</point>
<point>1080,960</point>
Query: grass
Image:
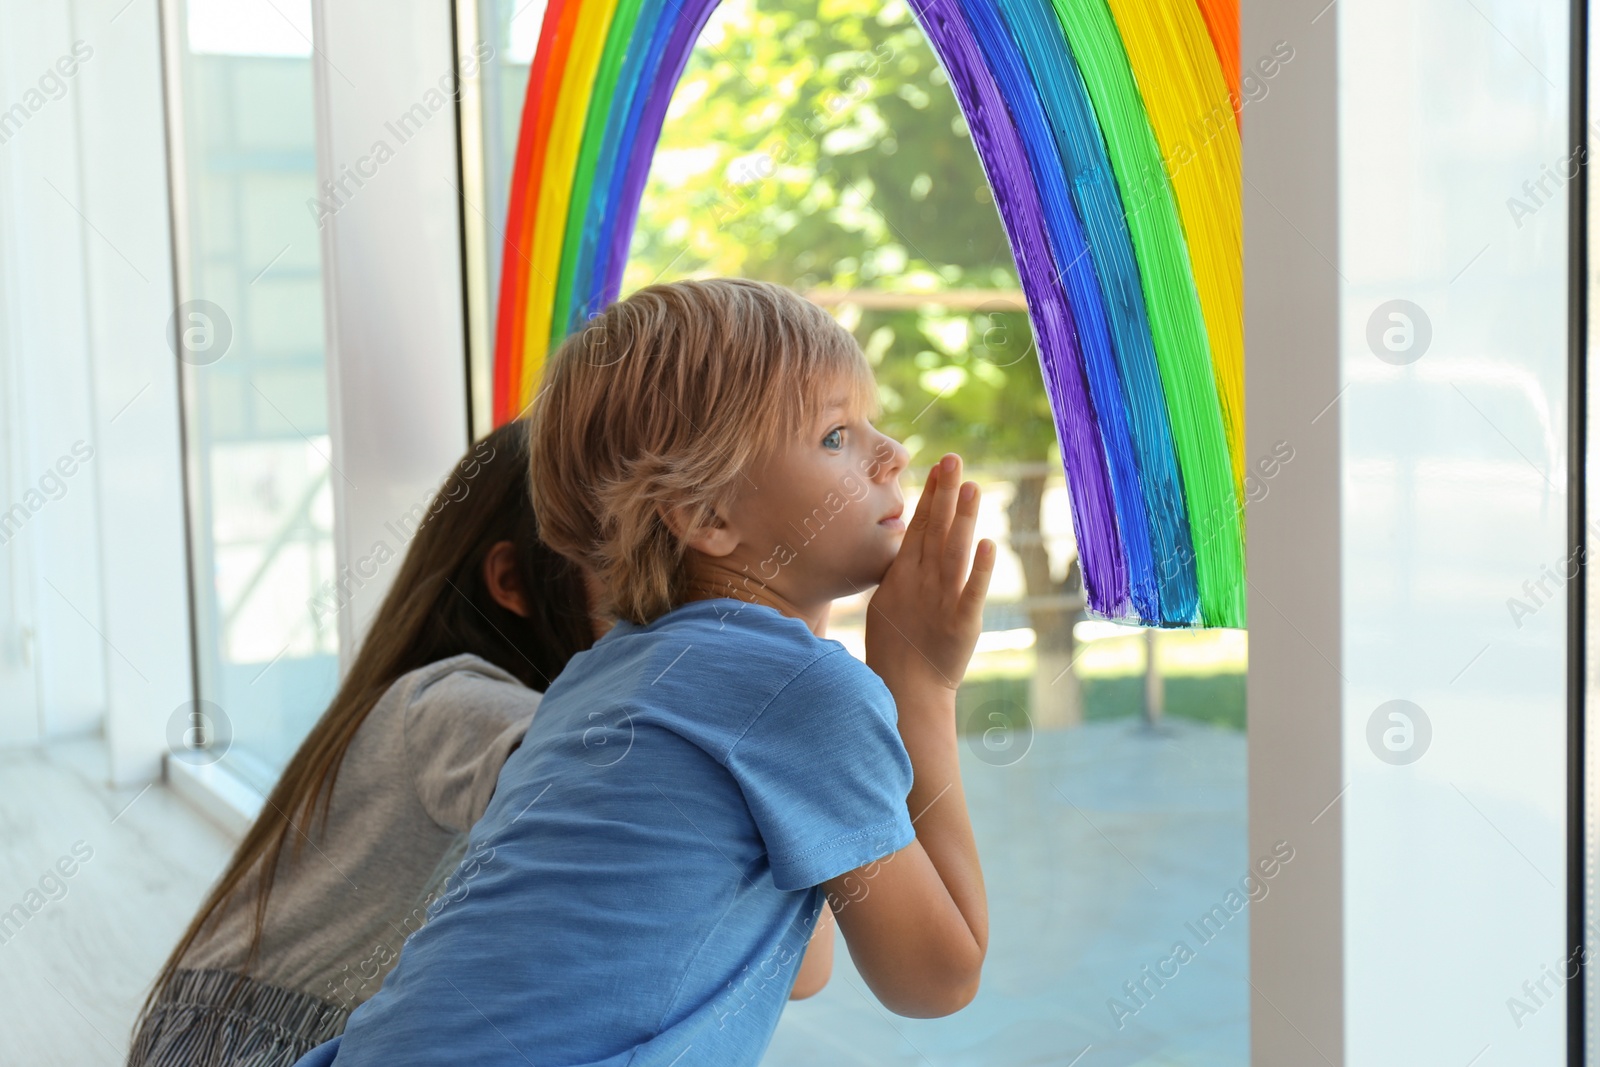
<point>1218,699</point>
<point>1203,672</point>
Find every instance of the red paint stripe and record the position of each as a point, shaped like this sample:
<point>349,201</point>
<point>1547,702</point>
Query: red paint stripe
<point>544,83</point>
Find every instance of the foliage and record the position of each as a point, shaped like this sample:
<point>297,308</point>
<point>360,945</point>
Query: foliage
<point>816,143</point>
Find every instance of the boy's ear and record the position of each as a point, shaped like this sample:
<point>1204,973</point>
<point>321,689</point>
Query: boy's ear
<point>714,539</point>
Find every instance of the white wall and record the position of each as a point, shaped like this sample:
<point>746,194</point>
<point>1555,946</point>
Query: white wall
<point>43,239</point>
<point>135,387</point>
<point>19,690</point>
<point>88,280</point>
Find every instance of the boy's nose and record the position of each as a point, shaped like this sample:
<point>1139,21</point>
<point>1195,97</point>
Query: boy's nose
<point>900,458</point>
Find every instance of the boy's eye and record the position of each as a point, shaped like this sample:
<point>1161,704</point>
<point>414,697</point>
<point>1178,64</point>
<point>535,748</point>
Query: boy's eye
<point>836,436</point>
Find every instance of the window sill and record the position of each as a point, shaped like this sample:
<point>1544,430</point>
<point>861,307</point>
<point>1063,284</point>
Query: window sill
<point>217,793</point>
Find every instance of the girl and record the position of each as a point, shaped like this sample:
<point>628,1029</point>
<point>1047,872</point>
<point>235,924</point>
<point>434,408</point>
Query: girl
<point>479,620</point>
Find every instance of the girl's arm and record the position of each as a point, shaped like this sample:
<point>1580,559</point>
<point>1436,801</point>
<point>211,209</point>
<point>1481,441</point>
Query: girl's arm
<point>817,966</point>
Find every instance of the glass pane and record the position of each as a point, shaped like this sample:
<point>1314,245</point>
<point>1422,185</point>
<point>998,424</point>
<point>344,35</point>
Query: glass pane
<point>1453,293</point>
<point>1105,765</point>
<point>511,28</point>
<point>254,385</point>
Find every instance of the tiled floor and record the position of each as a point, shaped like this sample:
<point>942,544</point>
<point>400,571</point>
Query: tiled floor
<point>1102,847</point>
<point>77,960</point>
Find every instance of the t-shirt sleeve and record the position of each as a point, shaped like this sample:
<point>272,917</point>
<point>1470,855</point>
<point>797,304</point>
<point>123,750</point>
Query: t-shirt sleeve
<point>825,773</point>
<point>459,729</point>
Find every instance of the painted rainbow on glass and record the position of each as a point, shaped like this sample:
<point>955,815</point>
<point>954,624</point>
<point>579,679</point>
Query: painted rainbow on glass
<point>1109,133</point>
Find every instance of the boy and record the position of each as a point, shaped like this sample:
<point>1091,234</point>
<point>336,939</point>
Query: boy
<point>654,864</point>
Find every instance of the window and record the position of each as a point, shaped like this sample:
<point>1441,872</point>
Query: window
<point>1108,800</point>
<point>249,332</point>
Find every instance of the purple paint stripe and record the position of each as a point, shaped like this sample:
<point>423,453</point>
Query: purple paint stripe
<point>624,119</point>
<point>1105,569</point>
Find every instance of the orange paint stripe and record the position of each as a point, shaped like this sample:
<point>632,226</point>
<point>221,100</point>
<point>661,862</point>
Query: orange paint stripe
<point>1222,22</point>
<point>513,260</point>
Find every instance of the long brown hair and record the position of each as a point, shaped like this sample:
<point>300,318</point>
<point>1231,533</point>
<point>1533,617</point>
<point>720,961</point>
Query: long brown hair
<point>438,606</point>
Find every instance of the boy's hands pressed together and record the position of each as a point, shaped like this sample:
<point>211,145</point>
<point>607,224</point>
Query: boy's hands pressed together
<point>917,921</point>
<point>924,619</point>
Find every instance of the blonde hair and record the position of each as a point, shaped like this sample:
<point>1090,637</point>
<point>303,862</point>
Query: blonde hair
<point>666,400</point>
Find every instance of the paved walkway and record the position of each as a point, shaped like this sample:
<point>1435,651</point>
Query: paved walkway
<point>1099,846</point>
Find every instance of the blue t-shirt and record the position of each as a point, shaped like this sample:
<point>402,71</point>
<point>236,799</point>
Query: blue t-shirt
<point>642,887</point>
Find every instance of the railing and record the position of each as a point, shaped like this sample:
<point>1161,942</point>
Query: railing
<point>296,525</point>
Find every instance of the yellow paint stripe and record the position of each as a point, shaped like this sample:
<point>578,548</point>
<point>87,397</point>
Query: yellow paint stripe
<point>1187,100</point>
